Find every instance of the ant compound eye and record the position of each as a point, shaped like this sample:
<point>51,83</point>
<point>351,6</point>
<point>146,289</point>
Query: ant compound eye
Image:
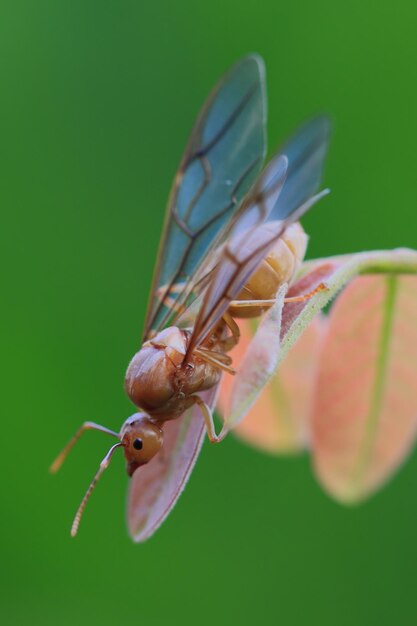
<point>138,444</point>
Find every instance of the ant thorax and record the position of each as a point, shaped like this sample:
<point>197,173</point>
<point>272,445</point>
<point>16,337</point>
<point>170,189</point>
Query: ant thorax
<point>159,381</point>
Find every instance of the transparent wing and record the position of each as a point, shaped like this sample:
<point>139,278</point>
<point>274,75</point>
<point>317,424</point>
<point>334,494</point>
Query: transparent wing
<point>251,238</point>
<point>306,151</point>
<point>222,160</point>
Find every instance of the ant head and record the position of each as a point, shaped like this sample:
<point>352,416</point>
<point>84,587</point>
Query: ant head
<point>141,439</point>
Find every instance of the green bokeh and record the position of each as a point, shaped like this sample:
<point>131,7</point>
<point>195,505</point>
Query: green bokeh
<point>97,99</point>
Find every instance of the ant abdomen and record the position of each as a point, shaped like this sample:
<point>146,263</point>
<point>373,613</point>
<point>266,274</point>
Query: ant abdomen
<point>278,267</point>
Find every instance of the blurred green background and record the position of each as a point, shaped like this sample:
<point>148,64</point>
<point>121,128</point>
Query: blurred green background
<point>97,99</point>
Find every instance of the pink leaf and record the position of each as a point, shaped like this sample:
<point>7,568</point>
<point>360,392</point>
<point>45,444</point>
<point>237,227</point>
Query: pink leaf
<point>365,408</point>
<point>320,273</point>
<point>156,487</point>
<point>289,390</point>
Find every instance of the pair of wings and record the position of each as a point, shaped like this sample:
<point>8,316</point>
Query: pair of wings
<point>223,214</point>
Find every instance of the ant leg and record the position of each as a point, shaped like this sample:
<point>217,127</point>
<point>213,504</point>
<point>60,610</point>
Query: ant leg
<point>244,304</point>
<point>217,359</point>
<point>232,325</point>
<point>208,420</point>
<point>64,453</point>
<point>229,342</point>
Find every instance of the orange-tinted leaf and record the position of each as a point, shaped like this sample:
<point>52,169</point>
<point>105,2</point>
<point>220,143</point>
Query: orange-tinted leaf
<point>247,330</point>
<point>156,487</point>
<point>274,405</point>
<point>336,272</point>
<point>365,408</point>
<point>257,365</point>
<point>279,420</point>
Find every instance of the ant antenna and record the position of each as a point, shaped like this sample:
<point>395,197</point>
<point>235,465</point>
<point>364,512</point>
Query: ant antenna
<point>103,465</point>
<point>64,453</point>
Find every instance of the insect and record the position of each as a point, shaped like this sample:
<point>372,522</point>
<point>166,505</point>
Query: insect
<point>231,239</point>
